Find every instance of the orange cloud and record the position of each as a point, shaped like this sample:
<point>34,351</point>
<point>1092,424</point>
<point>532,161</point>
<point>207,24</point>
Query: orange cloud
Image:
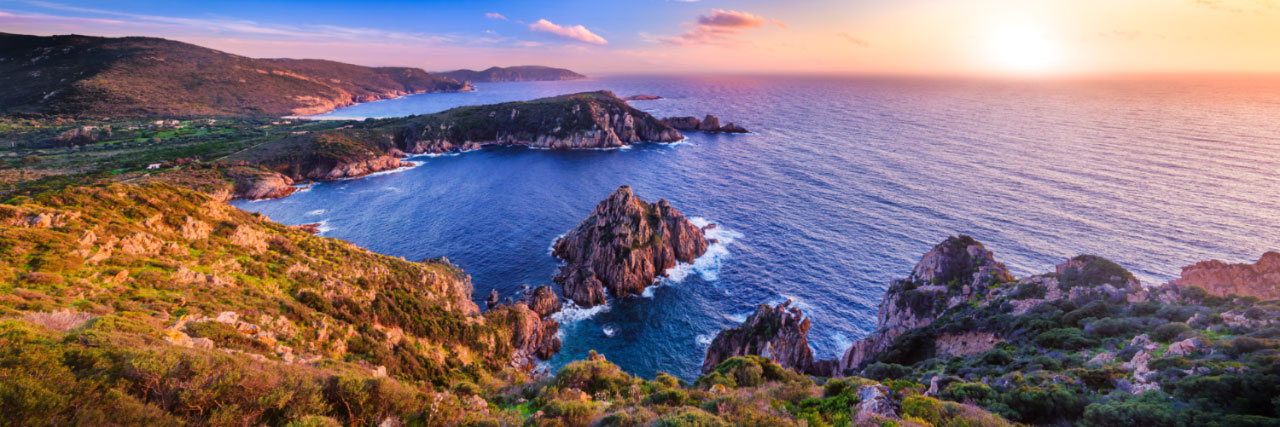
<point>576,32</point>
<point>719,27</point>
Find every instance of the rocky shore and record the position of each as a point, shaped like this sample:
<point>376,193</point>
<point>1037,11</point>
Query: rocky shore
<point>623,247</point>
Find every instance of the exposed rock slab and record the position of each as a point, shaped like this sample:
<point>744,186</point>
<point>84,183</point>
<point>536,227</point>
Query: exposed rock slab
<point>1260,279</point>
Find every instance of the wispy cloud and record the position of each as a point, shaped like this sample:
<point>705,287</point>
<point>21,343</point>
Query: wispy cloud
<point>1239,6</point>
<point>576,32</point>
<point>719,27</point>
<point>495,15</point>
<point>854,40</point>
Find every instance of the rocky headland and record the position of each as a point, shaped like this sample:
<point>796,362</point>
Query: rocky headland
<point>522,73</point>
<point>623,247</point>
<point>709,124</point>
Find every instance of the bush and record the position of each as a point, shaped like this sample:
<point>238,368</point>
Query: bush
<point>882,371</point>
<point>689,417</point>
<point>1096,310</point>
<point>1110,327</point>
<point>1169,331</point>
<point>1150,410</point>
<point>1064,338</point>
<point>925,408</point>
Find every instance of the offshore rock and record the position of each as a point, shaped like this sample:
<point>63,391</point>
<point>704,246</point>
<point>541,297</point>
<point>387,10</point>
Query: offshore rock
<point>709,123</point>
<point>532,337</point>
<point>1261,279</point>
<point>624,246</point>
<point>778,333</point>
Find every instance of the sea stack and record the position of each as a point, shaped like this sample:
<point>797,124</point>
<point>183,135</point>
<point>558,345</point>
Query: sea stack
<point>779,333</point>
<point>624,246</point>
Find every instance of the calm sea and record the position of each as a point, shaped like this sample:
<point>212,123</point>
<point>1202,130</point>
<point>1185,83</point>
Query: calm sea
<point>840,188</point>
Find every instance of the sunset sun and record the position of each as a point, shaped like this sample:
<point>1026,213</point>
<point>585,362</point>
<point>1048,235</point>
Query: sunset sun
<point>1022,50</point>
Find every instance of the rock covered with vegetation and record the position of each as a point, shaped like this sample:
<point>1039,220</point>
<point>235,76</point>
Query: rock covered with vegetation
<point>1085,344</point>
<point>584,120</point>
<point>777,333</point>
<point>522,73</point>
<point>141,76</point>
<point>624,246</point>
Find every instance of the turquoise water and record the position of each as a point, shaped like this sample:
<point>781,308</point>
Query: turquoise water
<point>840,188</point>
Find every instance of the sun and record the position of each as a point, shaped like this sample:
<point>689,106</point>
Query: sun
<point>1022,49</point>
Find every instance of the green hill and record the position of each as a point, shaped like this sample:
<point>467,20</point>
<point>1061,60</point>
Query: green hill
<point>140,76</point>
<point>521,73</point>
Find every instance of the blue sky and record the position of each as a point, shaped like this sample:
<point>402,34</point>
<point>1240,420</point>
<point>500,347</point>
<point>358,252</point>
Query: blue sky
<point>842,36</point>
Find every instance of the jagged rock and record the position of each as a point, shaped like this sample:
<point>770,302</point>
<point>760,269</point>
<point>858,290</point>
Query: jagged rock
<point>532,336</point>
<point>1184,347</point>
<point>1243,320</point>
<point>1144,342</point>
<point>708,124</point>
<point>493,299</point>
<point>624,246</point>
<point>1261,279</point>
<point>956,271</point>
<point>874,401</point>
<point>542,300</point>
<point>779,333</point>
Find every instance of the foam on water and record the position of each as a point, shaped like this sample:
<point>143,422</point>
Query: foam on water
<point>571,312</point>
<point>316,212</point>
<point>708,265</point>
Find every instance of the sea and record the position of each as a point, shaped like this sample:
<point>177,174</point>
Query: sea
<point>842,184</point>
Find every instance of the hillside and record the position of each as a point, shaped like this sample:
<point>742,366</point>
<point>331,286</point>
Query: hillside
<point>523,73</point>
<point>139,76</point>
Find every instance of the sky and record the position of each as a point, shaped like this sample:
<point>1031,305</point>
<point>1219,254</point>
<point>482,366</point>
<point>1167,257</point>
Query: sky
<point>1001,37</point>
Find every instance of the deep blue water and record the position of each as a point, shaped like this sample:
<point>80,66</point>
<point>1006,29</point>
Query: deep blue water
<point>844,183</point>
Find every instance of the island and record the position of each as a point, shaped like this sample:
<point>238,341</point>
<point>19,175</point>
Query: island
<point>623,247</point>
<point>523,73</point>
<point>709,124</point>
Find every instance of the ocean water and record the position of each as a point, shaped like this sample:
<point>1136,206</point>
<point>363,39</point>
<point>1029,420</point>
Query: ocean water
<point>844,183</point>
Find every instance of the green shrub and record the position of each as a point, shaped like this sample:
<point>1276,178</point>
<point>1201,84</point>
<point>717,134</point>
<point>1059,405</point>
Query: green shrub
<point>689,417</point>
<point>925,408</point>
<point>1064,338</point>
<point>1169,331</point>
<point>883,371</point>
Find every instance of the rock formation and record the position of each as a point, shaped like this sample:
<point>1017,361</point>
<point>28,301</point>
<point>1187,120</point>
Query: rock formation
<point>778,333</point>
<point>1261,279</point>
<point>532,336</point>
<point>623,246</point>
<point>584,120</point>
<point>642,97</point>
<point>708,124</point>
<point>542,300</point>
<point>955,271</point>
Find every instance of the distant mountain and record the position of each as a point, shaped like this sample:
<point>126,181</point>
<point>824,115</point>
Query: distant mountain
<point>521,73</point>
<point>142,76</point>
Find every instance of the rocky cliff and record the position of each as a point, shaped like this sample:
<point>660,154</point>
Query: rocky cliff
<point>955,271</point>
<point>777,333</point>
<point>624,246</point>
<point>584,120</point>
<point>1261,279</point>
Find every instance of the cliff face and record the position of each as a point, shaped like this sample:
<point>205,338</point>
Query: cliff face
<point>1261,279</point>
<point>585,120</point>
<point>955,271</point>
<point>777,333</point>
<point>140,76</point>
<point>623,246</point>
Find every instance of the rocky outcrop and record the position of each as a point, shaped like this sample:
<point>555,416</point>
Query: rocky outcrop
<point>1261,279</point>
<point>709,123</point>
<point>778,333</point>
<point>351,168</point>
<point>624,246</point>
<point>955,271</point>
<point>642,97</point>
<point>532,337</point>
<point>584,120</point>
<point>542,300</point>
<point>262,185</point>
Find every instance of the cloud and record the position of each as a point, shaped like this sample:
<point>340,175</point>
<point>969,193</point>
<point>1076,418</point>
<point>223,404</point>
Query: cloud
<point>1120,35</point>
<point>719,27</point>
<point>854,40</point>
<point>1238,6</point>
<point>494,15</point>
<point>576,32</point>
